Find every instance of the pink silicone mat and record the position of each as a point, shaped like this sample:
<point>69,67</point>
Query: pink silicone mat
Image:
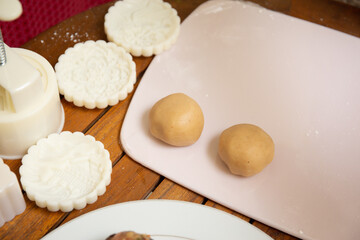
<point>298,81</point>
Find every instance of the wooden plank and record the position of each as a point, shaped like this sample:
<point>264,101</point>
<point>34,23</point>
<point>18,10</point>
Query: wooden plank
<point>184,8</point>
<point>213,204</point>
<point>168,189</point>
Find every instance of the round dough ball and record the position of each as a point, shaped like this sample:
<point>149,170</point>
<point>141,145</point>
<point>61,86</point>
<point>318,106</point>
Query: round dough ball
<point>246,149</point>
<point>177,120</point>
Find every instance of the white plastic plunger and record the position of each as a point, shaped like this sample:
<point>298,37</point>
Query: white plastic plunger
<point>30,106</point>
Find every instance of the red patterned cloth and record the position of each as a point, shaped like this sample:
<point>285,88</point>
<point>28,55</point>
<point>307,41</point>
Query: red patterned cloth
<point>39,15</point>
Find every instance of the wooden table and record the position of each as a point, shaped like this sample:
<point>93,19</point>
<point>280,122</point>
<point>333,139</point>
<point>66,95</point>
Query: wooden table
<point>130,180</point>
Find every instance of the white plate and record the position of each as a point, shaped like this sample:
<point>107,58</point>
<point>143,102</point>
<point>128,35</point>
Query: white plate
<point>158,217</point>
<point>298,81</point>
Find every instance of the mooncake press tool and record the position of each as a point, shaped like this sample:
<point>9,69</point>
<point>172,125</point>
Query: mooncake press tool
<point>30,107</point>
<point>66,171</point>
<point>95,74</point>
<point>142,27</point>
<point>12,201</point>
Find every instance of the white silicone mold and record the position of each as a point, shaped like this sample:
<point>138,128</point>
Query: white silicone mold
<point>95,74</point>
<point>66,171</point>
<point>142,27</point>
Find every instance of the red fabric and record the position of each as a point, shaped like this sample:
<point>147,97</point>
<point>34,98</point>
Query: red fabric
<point>39,15</point>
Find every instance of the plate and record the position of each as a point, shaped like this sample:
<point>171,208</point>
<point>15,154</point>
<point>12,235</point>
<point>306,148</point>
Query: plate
<point>297,80</point>
<point>162,219</point>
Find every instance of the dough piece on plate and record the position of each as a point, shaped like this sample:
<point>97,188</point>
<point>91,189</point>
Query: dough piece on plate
<point>95,74</point>
<point>142,27</point>
<point>66,171</point>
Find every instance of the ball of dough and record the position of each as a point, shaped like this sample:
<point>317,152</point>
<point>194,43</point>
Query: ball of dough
<point>177,120</point>
<point>246,149</point>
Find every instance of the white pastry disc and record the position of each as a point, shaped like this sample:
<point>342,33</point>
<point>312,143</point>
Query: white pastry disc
<point>66,171</point>
<point>142,27</point>
<point>95,74</point>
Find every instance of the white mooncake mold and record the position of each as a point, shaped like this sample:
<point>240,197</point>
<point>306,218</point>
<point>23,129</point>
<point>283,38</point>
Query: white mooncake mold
<point>66,171</point>
<point>142,27</point>
<point>95,74</point>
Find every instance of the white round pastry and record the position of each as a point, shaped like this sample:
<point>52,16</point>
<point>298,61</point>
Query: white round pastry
<point>95,74</point>
<point>142,27</point>
<point>66,171</point>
